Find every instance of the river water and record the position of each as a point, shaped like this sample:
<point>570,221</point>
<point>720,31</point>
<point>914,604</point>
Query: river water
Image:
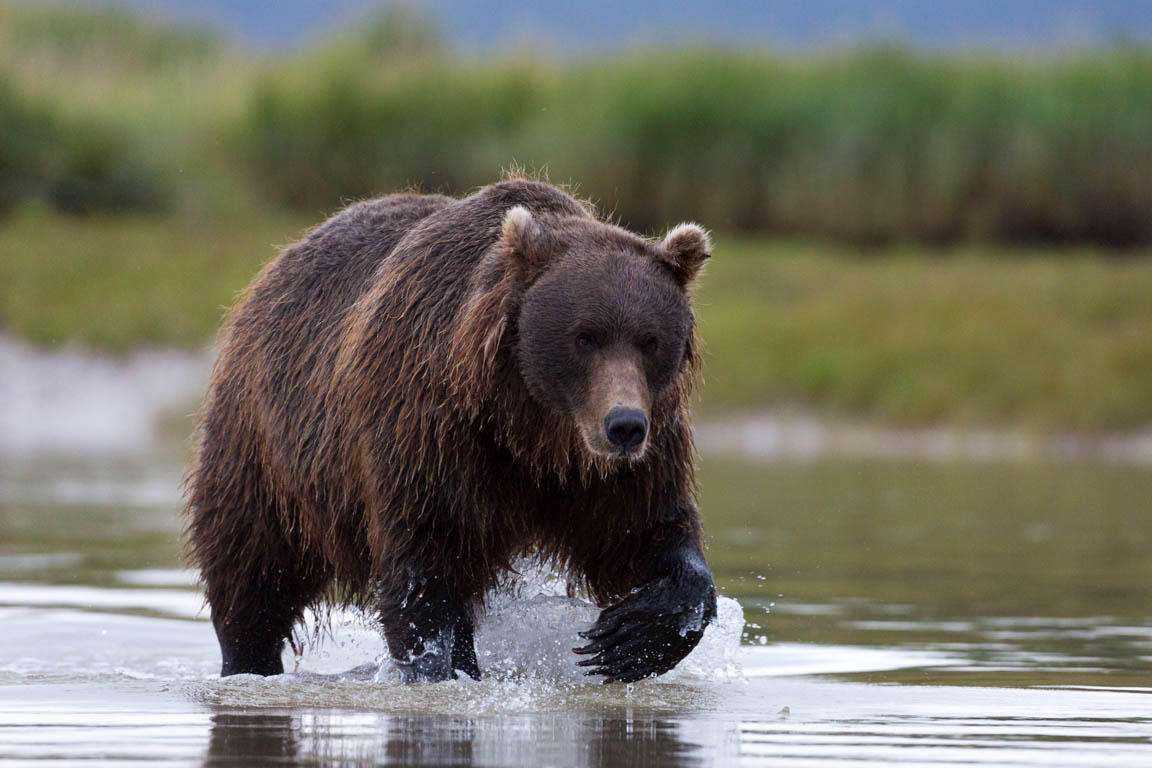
<point>875,612</point>
<point>889,597</point>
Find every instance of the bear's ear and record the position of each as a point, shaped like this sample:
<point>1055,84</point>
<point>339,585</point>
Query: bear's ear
<point>686,247</point>
<point>526,242</point>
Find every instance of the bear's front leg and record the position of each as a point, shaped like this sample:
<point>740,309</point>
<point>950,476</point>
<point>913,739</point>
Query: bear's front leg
<point>429,631</point>
<point>652,629</point>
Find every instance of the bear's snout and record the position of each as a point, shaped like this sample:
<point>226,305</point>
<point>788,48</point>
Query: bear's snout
<point>613,417</point>
<point>626,428</point>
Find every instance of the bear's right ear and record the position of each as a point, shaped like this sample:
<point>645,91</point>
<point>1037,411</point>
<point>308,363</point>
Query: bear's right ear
<point>686,247</point>
<point>525,241</point>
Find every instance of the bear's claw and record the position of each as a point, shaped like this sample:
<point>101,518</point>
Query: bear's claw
<point>650,631</point>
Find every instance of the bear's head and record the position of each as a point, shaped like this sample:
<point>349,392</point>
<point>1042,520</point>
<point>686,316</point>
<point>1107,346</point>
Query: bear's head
<point>603,323</point>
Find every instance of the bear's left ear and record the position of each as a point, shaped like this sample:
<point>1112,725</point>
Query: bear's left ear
<point>526,242</point>
<point>686,247</point>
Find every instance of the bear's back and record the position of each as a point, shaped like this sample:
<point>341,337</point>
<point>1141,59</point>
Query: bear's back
<point>349,327</point>
<point>283,335</point>
<point>337,262</point>
<point>288,321</point>
<point>430,244</point>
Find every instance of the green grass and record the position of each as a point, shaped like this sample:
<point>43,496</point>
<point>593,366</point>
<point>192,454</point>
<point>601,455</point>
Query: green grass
<point>119,283</point>
<point>1052,341</point>
<point>982,337</point>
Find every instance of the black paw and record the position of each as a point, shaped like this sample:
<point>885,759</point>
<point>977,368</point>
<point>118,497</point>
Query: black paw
<point>265,667</point>
<point>650,631</point>
<point>430,661</point>
<point>465,662</point>
<point>251,655</point>
<point>464,650</point>
<point>428,668</point>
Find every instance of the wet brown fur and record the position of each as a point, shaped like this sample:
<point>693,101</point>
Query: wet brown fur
<point>367,422</point>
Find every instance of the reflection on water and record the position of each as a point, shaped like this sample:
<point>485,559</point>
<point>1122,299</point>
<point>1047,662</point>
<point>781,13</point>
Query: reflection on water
<point>245,738</point>
<point>897,612</point>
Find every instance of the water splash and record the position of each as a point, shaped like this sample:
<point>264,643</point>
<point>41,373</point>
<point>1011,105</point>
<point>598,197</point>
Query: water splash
<point>524,642</point>
<point>526,635</point>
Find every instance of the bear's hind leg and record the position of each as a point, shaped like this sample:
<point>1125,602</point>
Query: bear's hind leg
<point>258,589</point>
<point>252,637</point>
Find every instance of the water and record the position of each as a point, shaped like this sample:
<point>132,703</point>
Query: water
<point>894,612</point>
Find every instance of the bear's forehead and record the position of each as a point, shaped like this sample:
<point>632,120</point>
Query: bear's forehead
<point>618,286</point>
<point>598,249</point>
<point>595,237</point>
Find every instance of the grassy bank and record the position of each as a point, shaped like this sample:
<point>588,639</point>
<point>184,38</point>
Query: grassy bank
<point>983,337</point>
<point>118,283</point>
<point>988,336</point>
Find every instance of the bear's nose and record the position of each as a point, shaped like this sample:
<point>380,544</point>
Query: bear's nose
<point>626,427</point>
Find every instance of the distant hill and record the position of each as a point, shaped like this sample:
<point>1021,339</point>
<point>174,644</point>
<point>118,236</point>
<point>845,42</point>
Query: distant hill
<point>595,25</point>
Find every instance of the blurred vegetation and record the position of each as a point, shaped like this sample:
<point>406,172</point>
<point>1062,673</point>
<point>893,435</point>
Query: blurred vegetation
<point>870,145</point>
<point>76,166</point>
<point>191,157</point>
<point>104,110</point>
<point>875,145</point>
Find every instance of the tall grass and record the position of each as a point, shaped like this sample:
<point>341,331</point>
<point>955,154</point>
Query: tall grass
<point>75,165</point>
<point>22,149</point>
<point>73,36</point>
<point>869,145</point>
<point>131,113</point>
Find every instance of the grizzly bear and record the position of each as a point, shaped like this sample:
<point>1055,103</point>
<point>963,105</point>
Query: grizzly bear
<point>426,389</point>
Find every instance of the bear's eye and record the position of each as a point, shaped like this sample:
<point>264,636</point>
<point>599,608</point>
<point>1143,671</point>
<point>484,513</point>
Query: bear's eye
<point>586,340</point>
<point>649,344</point>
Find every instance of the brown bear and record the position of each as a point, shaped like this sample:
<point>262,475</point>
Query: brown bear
<point>424,390</point>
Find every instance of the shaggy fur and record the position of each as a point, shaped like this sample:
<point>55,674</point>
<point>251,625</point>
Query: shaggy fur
<point>373,435</point>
